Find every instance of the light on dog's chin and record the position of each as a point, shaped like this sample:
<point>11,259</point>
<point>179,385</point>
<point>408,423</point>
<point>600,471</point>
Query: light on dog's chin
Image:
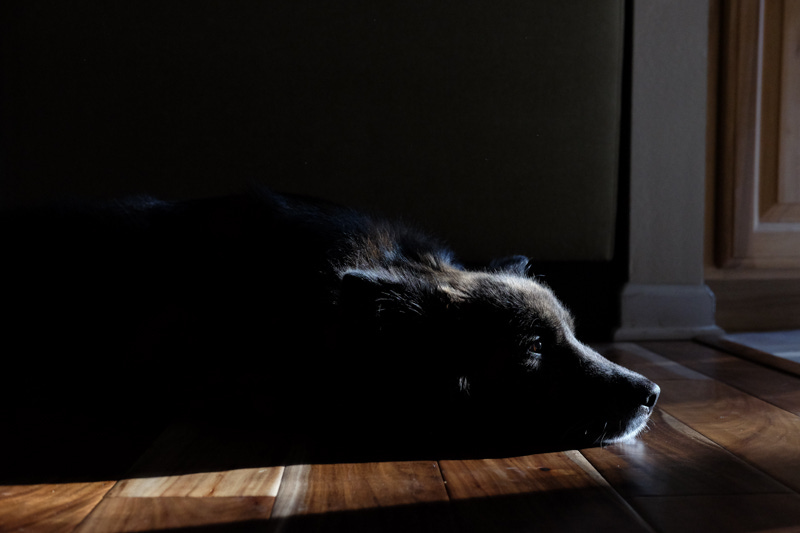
<point>627,438</point>
<point>633,446</point>
<point>635,428</point>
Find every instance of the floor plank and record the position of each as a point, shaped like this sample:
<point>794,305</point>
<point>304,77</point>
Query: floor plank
<point>760,433</point>
<point>49,507</point>
<point>764,435</point>
<point>241,482</point>
<point>732,513</point>
<point>149,514</point>
<point>388,496</point>
<point>485,478</point>
<point>679,478</point>
<point>674,468</point>
<point>189,478</point>
<point>671,459</point>
<point>550,491</point>
<point>774,386</point>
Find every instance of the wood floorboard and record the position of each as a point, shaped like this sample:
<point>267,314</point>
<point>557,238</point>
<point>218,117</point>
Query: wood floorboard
<point>231,483</point>
<point>756,431</point>
<point>551,491</point>
<point>769,384</point>
<point>393,496</point>
<point>672,459</point>
<point>157,514</point>
<point>763,435</point>
<point>699,467</point>
<point>47,507</point>
<point>722,453</point>
<point>731,513</point>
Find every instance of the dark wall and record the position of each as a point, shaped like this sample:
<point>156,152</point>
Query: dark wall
<point>496,124</point>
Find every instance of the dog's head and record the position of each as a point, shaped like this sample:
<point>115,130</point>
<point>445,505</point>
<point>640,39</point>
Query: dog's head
<point>537,361</point>
<point>506,345</point>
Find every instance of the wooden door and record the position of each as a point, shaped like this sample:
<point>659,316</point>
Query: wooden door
<point>756,239</point>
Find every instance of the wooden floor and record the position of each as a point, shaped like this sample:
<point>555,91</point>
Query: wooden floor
<point>722,454</point>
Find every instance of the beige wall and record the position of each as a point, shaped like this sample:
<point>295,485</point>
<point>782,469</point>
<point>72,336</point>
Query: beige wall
<point>666,296</point>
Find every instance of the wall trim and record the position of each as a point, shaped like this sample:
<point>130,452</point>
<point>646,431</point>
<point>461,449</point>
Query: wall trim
<point>666,312</point>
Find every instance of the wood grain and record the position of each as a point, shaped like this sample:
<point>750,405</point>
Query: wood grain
<point>485,478</point>
<point>550,491</point>
<point>199,484</point>
<point>758,146</point>
<point>671,459</point>
<point>680,478</point>
<point>388,496</point>
<point>760,433</point>
<point>241,482</point>
<point>789,166</point>
<point>738,129</point>
<point>772,385</point>
<point>149,514</point>
<point>48,508</point>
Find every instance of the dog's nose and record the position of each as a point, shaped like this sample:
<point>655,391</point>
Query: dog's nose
<point>652,397</point>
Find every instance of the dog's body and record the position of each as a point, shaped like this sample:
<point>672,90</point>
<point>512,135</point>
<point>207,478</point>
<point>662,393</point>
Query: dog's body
<point>306,302</point>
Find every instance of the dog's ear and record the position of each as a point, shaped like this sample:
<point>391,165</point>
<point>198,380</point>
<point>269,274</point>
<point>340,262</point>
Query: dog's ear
<point>515,264</point>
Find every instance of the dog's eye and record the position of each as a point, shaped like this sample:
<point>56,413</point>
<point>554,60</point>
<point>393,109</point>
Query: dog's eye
<point>536,346</point>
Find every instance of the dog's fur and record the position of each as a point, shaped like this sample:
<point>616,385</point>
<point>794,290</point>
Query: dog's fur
<point>304,301</point>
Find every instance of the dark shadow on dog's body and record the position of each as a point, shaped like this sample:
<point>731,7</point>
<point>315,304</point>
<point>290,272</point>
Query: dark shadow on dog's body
<point>319,321</point>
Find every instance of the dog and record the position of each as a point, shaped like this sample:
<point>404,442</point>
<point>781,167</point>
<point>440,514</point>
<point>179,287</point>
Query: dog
<point>302,302</point>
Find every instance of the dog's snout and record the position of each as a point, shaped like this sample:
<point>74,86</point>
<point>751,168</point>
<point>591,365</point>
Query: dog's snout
<point>652,396</point>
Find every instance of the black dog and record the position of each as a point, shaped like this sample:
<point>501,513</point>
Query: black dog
<point>287,302</point>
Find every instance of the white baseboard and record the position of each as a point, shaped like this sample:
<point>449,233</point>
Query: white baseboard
<point>666,312</point>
